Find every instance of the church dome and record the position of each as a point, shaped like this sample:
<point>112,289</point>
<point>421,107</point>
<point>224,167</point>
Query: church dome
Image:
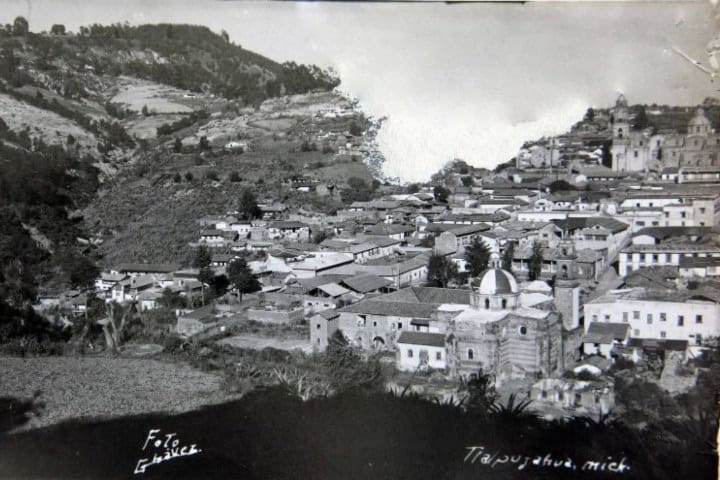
<point>621,101</point>
<point>496,281</point>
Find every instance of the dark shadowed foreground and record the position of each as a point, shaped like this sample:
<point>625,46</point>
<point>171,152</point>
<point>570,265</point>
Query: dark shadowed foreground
<point>270,434</point>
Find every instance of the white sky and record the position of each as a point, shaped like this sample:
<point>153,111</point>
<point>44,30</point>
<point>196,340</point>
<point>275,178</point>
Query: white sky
<point>470,81</point>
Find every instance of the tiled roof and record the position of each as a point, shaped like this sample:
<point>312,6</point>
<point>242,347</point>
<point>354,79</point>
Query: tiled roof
<point>606,332</point>
<point>422,338</point>
<point>147,267</point>
<point>374,307</point>
<point>366,283</point>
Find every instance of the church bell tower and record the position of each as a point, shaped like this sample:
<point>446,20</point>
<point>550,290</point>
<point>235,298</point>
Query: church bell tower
<point>567,288</point>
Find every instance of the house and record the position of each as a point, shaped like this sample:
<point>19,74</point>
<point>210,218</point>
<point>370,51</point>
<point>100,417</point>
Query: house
<point>129,289</point>
<point>456,238</point>
<point>318,265</point>
<point>137,269</point>
<point>601,337</point>
<point>323,326</point>
<point>107,280</point>
<point>212,236</point>
<point>396,232</point>
<point>367,283</point>
<point>688,315</point>
<point>326,296</point>
<point>420,350</point>
<point>665,246</point>
<point>574,397</point>
<point>289,230</point>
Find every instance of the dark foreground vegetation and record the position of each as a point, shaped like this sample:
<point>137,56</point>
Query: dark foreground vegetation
<point>273,434</point>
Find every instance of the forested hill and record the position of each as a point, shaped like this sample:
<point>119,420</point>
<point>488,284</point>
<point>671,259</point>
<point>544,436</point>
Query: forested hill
<point>185,56</point>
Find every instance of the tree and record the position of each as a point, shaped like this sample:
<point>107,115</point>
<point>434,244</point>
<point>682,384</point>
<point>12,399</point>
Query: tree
<point>345,369</point>
<point>413,188</point>
<point>441,193</point>
<point>481,394</point>
<point>202,258</point>
<point>536,261</point>
<point>116,321</point>
<point>225,36</point>
<point>235,177</point>
<point>248,206</point>
<point>467,181</point>
<point>204,144</point>
<point>57,29</point>
<point>641,119</point>
<point>169,299</point>
<point>145,111</point>
<point>507,257</point>
<point>589,115</point>
<point>355,130</point>
<point>81,271</point>
<point>477,255</point>
<point>189,177</point>
<point>441,270</point>
<point>177,145</point>
<point>20,27</point>
<point>241,277</point>
<point>205,277</point>
<point>560,186</point>
<point>177,178</point>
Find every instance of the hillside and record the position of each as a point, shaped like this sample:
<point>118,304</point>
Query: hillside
<point>149,212</point>
<point>184,56</point>
<point>99,112</point>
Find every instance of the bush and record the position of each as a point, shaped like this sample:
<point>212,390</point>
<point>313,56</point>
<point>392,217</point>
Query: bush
<point>235,177</point>
<point>212,175</point>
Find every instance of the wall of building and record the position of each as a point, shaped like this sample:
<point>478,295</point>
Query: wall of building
<point>646,318</point>
<point>408,357</point>
<point>276,316</point>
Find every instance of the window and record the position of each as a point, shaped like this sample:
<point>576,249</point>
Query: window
<point>374,324</point>
<point>636,154</point>
<point>663,317</point>
<point>649,319</point>
<point>594,318</point>
<point>698,318</point>
<point>470,354</point>
<point>636,333</point>
<point>399,325</point>
<point>410,353</point>
<point>655,257</point>
<point>438,355</point>
<point>523,330</point>
<point>504,303</point>
<point>607,318</point>
<point>561,396</point>
<point>317,326</point>
<point>544,394</point>
<point>702,209</point>
<point>682,215</point>
<point>578,398</point>
<point>487,304</point>
<point>663,334</point>
<point>625,316</point>
<point>636,315</point>
<point>681,320</point>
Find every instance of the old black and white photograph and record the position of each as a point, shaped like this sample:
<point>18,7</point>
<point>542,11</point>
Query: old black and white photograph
<point>359,240</point>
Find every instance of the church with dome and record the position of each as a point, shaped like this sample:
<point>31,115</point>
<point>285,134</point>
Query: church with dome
<point>645,150</point>
<point>507,329</point>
